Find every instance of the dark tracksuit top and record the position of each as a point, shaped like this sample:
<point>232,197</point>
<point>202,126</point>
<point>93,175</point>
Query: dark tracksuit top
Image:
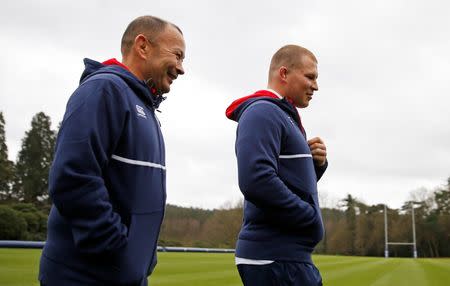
<point>107,183</point>
<point>278,178</point>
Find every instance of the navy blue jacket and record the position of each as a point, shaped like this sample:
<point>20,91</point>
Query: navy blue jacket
<point>278,178</point>
<point>107,183</point>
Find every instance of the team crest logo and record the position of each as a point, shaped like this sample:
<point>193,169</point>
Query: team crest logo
<point>140,111</point>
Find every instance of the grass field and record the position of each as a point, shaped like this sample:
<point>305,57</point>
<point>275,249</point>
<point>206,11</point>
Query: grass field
<point>18,267</point>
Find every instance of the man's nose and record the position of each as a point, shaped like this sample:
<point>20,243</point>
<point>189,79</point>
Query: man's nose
<point>180,69</point>
<point>315,86</point>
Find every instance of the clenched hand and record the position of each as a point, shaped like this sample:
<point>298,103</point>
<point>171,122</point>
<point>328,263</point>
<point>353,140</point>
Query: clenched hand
<point>318,151</point>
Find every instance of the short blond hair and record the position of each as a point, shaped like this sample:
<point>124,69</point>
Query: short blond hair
<point>290,56</point>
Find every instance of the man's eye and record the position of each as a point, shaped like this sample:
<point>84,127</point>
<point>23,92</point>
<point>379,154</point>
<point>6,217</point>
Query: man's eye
<point>179,58</point>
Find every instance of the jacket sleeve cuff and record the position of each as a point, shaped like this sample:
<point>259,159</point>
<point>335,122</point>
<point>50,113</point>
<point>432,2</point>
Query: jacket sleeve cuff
<point>320,170</point>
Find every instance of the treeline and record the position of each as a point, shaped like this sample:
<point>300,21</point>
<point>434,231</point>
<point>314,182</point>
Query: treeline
<point>358,229</point>
<point>24,203</point>
<point>22,221</point>
<point>26,180</point>
<point>352,227</point>
<point>195,227</point>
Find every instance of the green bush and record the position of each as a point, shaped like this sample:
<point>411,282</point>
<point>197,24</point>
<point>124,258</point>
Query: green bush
<point>36,221</point>
<point>24,207</point>
<point>32,222</point>
<point>12,225</point>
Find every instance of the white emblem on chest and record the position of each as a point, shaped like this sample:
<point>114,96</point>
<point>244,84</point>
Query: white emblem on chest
<point>140,111</point>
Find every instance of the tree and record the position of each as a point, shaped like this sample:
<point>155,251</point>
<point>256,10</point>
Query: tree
<point>6,166</point>
<point>182,226</point>
<point>350,204</point>
<point>12,225</point>
<point>442,199</point>
<point>34,160</point>
<point>35,219</point>
<point>222,229</point>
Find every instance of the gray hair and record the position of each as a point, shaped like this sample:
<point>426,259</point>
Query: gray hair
<point>149,26</point>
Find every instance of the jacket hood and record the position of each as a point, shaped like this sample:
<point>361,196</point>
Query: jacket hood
<point>237,107</point>
<point>113,66</point>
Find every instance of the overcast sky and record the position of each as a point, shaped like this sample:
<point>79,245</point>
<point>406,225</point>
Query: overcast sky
<point>384,84</point>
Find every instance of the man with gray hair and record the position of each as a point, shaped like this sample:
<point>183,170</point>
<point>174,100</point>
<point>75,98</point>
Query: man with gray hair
<point>278,170</point>
<point>108,178</point>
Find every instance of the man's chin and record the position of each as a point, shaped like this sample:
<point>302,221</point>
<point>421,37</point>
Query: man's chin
<point>164,89</point>
<point>302,105</point>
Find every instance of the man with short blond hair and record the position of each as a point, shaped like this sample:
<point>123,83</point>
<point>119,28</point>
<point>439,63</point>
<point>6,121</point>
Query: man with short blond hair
<point>278,171</point>
<point>108,178</point>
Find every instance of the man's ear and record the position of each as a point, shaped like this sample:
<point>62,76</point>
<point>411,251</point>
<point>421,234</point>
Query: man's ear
<point>282,73</point>
<point>141,46</point>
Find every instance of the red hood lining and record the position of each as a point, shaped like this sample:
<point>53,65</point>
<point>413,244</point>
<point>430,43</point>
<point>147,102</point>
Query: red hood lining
<point>260,93</point>
<point>235,104</point>
<point>114,62</point>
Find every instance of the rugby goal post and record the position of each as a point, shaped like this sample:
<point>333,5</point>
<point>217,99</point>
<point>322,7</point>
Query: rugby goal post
<point>387,243</point>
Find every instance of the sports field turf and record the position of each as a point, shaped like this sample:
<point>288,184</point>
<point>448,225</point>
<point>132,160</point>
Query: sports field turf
<point>20,266</point>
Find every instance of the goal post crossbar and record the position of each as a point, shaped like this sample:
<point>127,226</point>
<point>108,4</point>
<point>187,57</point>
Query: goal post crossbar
<point>386,245</point>
<point>401,243</point>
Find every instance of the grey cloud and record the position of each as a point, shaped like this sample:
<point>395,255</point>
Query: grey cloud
<point>382,107</point>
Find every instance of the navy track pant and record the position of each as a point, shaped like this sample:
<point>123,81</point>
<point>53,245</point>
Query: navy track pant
<point>280,273</point>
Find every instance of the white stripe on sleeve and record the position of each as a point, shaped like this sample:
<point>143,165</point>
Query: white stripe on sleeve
<point>294,156</point>
<point>138,163</point>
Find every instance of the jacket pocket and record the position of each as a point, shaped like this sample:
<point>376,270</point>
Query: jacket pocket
<point>133,264</point>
